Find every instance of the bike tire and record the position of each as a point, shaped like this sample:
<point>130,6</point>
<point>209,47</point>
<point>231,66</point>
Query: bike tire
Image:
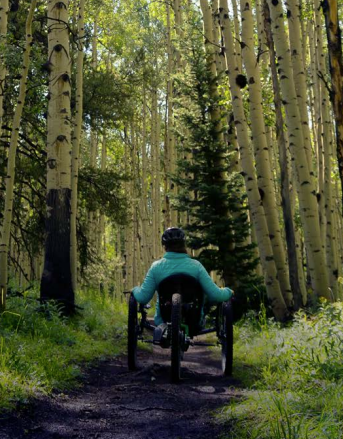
<point>132,334</point>
<point>176,338</point>
<point>227,339</point>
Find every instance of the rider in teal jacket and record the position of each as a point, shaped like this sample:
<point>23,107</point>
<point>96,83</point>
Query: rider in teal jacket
<point>177,261</point>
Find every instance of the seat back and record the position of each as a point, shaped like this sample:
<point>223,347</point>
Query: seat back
<point>192,299</point>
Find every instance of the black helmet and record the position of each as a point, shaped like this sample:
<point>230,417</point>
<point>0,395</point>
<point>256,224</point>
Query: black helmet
<point>173,235</point>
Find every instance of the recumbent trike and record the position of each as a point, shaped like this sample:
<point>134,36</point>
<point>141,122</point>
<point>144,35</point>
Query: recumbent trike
<point>181,300</point>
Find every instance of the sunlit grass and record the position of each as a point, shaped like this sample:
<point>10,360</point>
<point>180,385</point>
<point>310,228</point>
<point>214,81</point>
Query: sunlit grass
<point>293,378</point>
<point>42,351</point>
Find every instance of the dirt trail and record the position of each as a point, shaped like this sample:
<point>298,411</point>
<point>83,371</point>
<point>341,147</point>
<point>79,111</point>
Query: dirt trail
<point>115,403</point>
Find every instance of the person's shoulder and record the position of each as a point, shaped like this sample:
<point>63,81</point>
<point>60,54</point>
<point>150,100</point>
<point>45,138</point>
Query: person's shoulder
<point>194,262</point>
<point>157,263</point>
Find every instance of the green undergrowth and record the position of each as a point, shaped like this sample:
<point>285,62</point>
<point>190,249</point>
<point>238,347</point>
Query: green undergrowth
<point>41,351</point>
<point>293,378</point>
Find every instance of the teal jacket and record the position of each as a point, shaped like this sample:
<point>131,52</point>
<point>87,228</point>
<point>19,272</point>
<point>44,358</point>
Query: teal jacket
<point>177,263</point>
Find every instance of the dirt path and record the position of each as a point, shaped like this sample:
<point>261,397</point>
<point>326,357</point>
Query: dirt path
<point>114,403</point>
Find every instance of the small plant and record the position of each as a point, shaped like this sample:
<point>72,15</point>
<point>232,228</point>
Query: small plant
<point>294,376</point>
<point>287,426</point>
<point>41,351</point>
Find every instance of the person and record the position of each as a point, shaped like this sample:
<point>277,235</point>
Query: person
<point>177,261</point>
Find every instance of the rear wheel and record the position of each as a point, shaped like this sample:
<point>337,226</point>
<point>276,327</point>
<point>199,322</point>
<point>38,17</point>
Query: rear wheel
<point>176,338</point>
<point>227,338</point>
<point>132,334</point>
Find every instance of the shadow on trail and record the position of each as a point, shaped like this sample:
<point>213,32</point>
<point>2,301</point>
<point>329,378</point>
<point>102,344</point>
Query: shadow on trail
<point>115,403</point>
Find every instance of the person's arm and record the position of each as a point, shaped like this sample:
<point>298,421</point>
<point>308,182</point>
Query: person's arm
<point>145,293</point>
<point>214,293</point>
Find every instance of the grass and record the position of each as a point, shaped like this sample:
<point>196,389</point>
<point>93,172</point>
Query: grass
<point>293,378</point>
<point>40,352</point>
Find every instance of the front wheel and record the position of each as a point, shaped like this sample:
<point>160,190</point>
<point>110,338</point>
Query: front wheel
<point>132,334</point>
<point>227,338</point>
<point>176,338</point>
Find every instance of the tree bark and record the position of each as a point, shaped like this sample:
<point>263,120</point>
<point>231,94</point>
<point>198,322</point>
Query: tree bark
<point>56,282</point>
<point>306,191</point>
<point>4,7</point>
<point>333,32</point>
<point>170,160</point>
<point>259,140</point>
<point>76,143</point>
<point>296,270</point>
<point>256,209</point>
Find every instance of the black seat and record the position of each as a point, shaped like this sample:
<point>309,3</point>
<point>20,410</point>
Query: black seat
<point>192,299</point>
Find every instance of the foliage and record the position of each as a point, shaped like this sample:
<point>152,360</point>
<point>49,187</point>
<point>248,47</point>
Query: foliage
<point>211,191</point>
<point>106,97</point>
<point>295,378</point>
<point>41,351</point>
<point>103,191</point>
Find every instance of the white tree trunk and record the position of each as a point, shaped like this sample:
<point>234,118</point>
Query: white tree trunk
<point>306,190</point>
<point>256,208</point>
<point>4,7</point>
<point>259,140</point>
<point>76,143</point>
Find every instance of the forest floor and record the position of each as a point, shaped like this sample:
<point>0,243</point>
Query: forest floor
<point>114,403</point>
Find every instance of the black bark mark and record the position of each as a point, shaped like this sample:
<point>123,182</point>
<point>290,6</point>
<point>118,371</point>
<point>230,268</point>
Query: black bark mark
<point>56,283</point>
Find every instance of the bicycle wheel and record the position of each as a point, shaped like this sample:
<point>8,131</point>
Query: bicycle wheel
<point>176,338</point>
<point>132,334</point>
<point>227,338</point>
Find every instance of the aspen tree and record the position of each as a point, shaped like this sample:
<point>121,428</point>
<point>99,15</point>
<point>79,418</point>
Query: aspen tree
<point>146,241</point>
<point>262,42</point>
<point>338,222</point>
<point>158,181</point>
<point>320,139</point>
<point>94,140</point>
<point>214,63</point>
<point>76,142</point>
<point>56,280</point>
<point>92,216</point>
<point>306,191</point>
<point>100,238</point>
<point>298,63</point>
<point>237,40</point>
<point>304,32</point>
<point>134,198</point>
<point>10,177</point>
<point>296,269</point>
<point>119,268</point>
<point>129,232</point>
<point>333,32</point>
<point>180,66</point>
<point>326,153</point>
<point>4,7</point>
<point>256,209</point>
<point>155,175</point>
<point>331,238</point>
<point>299,78</point>
<point>259,140</point>
<point>178,20</point>
<point>171,214</point>
<point>219,59</point>
<point>211,60</point>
